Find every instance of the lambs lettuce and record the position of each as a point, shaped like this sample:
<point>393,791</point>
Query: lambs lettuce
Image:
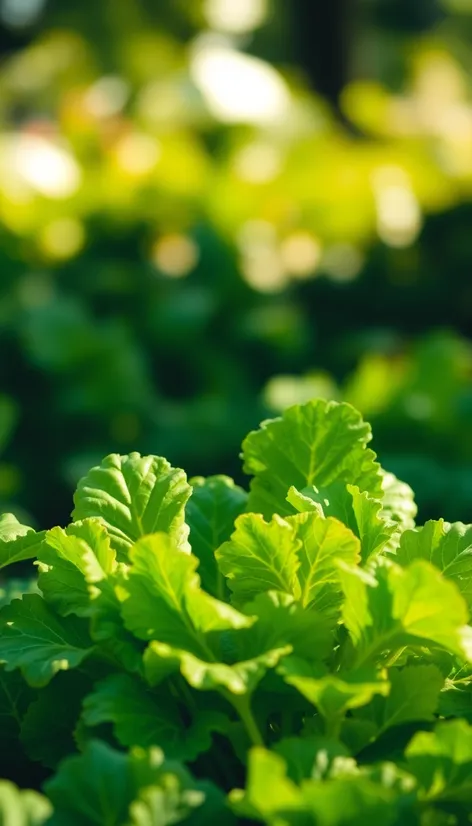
<point>190,652</point>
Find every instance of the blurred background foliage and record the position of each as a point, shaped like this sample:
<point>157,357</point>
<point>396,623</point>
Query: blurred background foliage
<point>210,209</point>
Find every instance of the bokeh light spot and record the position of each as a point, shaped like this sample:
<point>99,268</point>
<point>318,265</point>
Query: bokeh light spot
<point>175,255</point>
<point>235,16</point>
<point>238,87</point>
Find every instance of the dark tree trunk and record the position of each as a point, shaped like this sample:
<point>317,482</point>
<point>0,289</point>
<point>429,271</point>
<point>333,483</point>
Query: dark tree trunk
<point>323,30</point>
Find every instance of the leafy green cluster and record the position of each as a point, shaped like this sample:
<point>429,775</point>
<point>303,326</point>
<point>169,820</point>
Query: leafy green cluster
<point>315,669</point>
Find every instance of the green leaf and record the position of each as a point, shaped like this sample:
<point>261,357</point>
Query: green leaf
<point>22,808</point>
<point>311,757</point>
<point>210,514</point>
<point>321,544</point>
<point>413,697</point>
<point>155,806</point>
<point>133,496</point>
<point>108,631</point>
<point>34,639</point>
<point>332,694</point>
<point>441,760</point>
<point>373,529</point>
<point>162,599</point>
<point>315,443</point>
<point>104,786</point>
<point>47,729</point>
<point>358,800</point>
<point>142,718</point>
<point>455,699</point>
<point>399,607</point>
<point>281,621</point>
<point>15,697</point>
<point>352,798</point>
<point>357,733</point>
<point>305,501</point>
<point>456,702</point>
<point>95,787</point>
<point>267,770</point>
<point>17,541</point>
<point>238,678</point>
<point>260,556</point>
<point>11,528</point>
<point>448,547</point>
<point>72,562</point>
<point>79,574</point>
<point>354,508</point>
<point>298,556</point>
<point>171,792</point>
<point>398,502</point>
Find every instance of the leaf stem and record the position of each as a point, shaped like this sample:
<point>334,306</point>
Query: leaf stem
<point>394,657</point>
<point>375,648</point>
<point>242,705</point>
<point>333,726</point>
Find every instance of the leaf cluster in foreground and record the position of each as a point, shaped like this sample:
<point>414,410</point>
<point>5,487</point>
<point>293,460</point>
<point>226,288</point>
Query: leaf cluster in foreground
<point>191,652</point>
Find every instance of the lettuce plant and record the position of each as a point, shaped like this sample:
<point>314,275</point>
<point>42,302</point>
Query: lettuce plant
<point>191,652</point>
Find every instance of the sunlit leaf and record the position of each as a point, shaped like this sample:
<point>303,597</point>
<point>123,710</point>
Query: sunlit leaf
<point>133,496</point>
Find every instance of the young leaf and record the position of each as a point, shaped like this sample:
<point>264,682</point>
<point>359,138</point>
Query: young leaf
<point>398,607</point>
<point>141,718</point>
<point>17,542</point>
<point>260,556</point>
<point>354,508</point>
<point>34,639</point>
<point>133,496</point>
<point>322,543</point>
<point>210,514</point>
<point>315,443</point>
<point>448,547</point>
<point>22,808</point>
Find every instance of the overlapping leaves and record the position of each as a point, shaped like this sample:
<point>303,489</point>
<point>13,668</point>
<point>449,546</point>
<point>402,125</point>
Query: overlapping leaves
<point>310,619</point>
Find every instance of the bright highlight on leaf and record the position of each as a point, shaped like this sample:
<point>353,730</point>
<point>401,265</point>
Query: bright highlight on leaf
<point>17,542</point>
